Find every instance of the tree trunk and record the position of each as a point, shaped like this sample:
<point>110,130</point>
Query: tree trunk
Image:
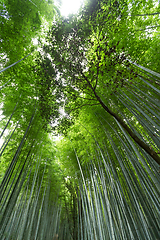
<point>142,144</point>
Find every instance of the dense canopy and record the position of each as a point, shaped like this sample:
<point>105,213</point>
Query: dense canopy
<point>80,121</point>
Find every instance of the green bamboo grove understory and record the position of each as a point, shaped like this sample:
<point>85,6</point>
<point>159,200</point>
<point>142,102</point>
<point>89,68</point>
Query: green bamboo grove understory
<point>114,195</point>
<point>90,84</point>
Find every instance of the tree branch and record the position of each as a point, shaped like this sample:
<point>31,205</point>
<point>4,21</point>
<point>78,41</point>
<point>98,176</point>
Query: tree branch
<point>90,99</point>
<point>83,106</point>
<point>147,14</point>
<point>142,144</point>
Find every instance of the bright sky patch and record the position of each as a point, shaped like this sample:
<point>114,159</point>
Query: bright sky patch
<point>70,6</point>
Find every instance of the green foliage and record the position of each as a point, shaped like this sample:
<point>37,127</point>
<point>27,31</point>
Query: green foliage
<point>78,47</point>
<point>22,21</point>
<point>94,182</point>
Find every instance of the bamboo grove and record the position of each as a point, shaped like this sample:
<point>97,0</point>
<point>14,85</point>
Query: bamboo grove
<point>80,121</point>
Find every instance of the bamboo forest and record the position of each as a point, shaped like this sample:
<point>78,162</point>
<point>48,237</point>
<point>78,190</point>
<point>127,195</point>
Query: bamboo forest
<point>80,120</point>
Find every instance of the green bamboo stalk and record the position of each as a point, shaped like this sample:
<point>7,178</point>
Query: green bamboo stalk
<point>4,69</point>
